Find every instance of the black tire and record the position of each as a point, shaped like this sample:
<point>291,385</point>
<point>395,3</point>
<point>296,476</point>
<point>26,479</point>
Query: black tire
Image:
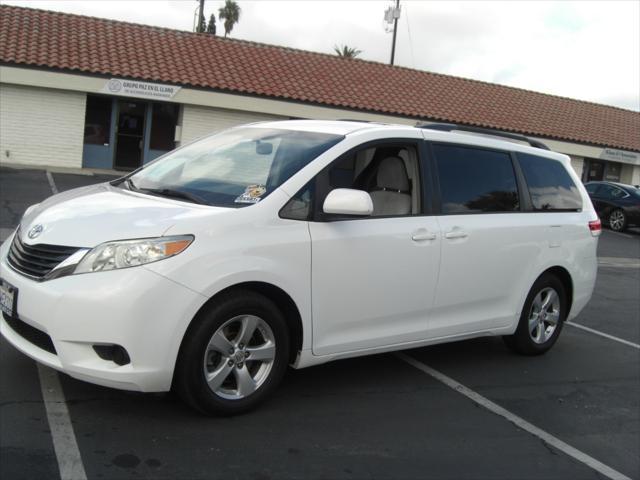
<point>619,224</point>
<point>189,377</point>
<point>521,341</point>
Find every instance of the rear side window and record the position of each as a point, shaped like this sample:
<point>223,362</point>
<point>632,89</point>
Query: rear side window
<point>549,183</point>
<point>475,180</point>
<point>591,188</point>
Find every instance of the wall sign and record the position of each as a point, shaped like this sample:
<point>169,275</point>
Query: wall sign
<point>620,156</point>
<point>134,88</point>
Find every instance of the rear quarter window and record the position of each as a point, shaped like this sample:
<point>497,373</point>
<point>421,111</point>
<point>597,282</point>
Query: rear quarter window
<point>550,185</point>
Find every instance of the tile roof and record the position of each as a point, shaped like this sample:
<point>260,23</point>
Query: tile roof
<point>76,43</point>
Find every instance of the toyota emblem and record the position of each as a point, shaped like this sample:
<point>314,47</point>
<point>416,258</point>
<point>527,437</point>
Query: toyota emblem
<point>35,231</point>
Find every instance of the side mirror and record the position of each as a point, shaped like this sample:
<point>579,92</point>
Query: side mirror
<point>346,201</point>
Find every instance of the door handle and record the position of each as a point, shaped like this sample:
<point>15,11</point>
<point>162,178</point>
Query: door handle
<point>456,233</point>
<point>422,235</point>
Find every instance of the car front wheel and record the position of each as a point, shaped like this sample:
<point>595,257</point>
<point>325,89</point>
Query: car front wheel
<point>234,355</point>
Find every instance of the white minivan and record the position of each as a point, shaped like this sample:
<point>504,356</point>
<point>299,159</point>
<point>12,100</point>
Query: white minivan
<point>213,268</point>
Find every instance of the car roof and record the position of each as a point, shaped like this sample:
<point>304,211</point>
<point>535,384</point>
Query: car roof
<point>348,127</point>
<point>617,184</point>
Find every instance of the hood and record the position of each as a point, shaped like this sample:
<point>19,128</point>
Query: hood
<point>88,216</point>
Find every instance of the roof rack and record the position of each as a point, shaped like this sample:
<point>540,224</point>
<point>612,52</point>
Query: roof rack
<point>450,127</point>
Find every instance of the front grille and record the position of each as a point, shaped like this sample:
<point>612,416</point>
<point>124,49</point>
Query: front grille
<point>37,260</point>
<point>31,334</point>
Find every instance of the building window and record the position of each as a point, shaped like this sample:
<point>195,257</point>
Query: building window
<point>97,121</point>
<point>163,126</point>
<point>612,172</point>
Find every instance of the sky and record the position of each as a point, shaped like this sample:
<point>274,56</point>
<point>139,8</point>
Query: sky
<point>589,50</point>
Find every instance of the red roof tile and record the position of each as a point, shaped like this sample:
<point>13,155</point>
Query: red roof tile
<point>112,48</point>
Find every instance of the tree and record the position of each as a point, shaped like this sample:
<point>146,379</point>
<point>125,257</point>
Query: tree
<point>346,52</point>
<point>202,25</point>
<point>230,13</point>
<point>211,28</point>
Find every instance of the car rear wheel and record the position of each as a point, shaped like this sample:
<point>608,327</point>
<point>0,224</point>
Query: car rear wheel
<point>234,355</point>
<point>617,220</point>
<point>542,317</point>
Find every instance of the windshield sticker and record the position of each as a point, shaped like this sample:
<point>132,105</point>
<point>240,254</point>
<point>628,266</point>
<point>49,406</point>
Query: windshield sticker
<point>252,194</point>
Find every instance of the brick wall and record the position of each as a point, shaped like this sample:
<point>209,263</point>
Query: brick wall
<point>199,121</point>
<point>41,126</point>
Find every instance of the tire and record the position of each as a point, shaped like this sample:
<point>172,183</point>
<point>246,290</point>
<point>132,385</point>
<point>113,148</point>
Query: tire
<point>618,220</point>
<point>222,368</point>
<point>535,335</point>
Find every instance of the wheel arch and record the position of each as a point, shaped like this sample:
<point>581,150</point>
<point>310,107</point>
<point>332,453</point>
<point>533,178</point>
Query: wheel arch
<point>282,300</point>
<point>565,277</point>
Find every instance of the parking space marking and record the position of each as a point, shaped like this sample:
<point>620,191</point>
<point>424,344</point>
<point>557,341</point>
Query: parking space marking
<point>621,234</point>
<point>52,184</point>
<point>602,334</point>
<point>618,262</point>
<point>546,437</point>
<point>62,434</point>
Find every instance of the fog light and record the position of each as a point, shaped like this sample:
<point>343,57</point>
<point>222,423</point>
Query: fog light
<point>113,353</point>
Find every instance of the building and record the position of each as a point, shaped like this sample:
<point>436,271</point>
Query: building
<point>79,91</point>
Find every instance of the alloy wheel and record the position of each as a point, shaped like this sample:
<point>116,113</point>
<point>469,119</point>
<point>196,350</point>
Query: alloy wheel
<point>544,315</point>
<point>239,357</point>
<point>616,220</point>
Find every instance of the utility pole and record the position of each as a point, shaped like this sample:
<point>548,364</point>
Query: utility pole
<point>393,14</point>
<point>200,17</point>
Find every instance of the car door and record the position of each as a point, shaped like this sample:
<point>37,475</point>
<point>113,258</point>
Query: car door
<point>608,198</point>
<point>486,250</point>
<point>373,278</point>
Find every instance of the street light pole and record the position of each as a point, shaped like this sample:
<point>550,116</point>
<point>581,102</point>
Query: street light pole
<point>200,17</point>
<point>396,15</point>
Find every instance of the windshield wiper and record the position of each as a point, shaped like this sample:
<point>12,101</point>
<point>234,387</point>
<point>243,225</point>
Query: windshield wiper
<point>131,185</point>
<point>169,192</point>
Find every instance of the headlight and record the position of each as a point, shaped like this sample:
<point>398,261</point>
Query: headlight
<point>131,253</point>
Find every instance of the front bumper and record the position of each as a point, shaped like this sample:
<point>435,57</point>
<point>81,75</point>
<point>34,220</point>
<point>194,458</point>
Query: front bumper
<point>135,308</point>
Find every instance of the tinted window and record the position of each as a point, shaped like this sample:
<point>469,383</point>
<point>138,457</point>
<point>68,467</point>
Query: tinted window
<point>609,191</point>
<point>97,120</point>
<point>164,117</point>
<point>550,185</point>
<point>591,188</point>
<point>475,181</point>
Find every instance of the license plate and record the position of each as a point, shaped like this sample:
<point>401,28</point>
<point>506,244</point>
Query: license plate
<point>8,298</point>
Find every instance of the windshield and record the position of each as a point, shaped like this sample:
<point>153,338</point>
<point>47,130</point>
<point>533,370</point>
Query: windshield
<point>235,168</point>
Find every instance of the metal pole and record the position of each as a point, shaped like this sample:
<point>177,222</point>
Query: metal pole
<point>395,31</point>
<point>200,17</point>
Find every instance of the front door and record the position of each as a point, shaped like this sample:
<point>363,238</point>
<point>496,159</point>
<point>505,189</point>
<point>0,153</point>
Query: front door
<point>373,278</point>
<point>130,134</point>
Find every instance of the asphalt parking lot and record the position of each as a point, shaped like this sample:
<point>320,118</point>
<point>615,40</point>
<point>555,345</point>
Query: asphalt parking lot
<point>371,417</point>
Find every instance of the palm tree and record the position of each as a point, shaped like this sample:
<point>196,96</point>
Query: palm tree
<point>230,13</point>
<point>346,52</point>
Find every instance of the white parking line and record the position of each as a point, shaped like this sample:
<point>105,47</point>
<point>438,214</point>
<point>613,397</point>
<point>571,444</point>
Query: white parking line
<point>52,184</point>
<point>602,334</point>
<point>516,420</point>
<point>620,233</point>
<point>62,435</point>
